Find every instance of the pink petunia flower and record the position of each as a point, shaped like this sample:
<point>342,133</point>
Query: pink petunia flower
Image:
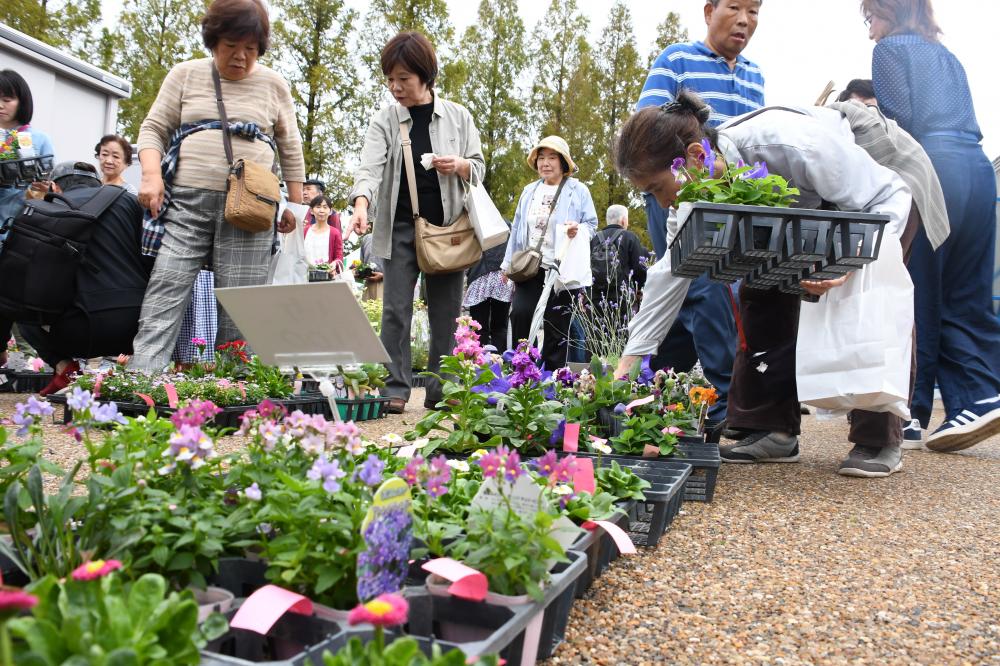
<point>386,610</point>
<point>95,569</point>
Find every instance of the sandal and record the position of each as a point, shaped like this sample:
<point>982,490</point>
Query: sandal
<point>396,405</point>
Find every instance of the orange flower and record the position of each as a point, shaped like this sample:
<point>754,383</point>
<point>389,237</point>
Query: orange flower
<point>701,395</point>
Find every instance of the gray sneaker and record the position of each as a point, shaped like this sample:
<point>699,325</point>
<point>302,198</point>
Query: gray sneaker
<point>872,462</point>
<point>762,447</point>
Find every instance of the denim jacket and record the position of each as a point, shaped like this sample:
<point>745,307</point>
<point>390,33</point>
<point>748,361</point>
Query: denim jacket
<point>453,132</point>
<point>574,205</point>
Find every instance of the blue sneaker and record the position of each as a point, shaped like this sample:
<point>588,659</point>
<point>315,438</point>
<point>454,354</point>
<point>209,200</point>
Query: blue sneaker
<point>968,427</point>
<point>913,436</point>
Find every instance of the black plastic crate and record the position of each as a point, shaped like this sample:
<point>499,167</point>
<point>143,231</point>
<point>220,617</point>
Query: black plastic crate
<point>6,380</point>
<point>31,382</point>
<point>705,462</point>
<point>294,640</point>
<point>240,576</point>
<point>600,548</point>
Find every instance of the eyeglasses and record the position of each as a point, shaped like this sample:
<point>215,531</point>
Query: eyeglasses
<point>868,20</point>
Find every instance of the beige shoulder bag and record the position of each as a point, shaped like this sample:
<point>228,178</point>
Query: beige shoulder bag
<point>439,249</point>
<point>252,192</point>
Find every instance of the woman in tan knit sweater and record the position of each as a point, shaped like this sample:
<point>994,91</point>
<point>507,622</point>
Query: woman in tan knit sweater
<point>184,170</point>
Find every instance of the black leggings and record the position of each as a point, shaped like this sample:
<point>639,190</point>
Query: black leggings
<point>558,312</point>
<point>493,316</point>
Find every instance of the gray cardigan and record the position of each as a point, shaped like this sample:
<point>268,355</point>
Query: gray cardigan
<point>453,132</point>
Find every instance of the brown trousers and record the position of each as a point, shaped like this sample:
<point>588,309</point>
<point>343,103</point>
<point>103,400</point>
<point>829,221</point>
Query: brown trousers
<point>763,394</point>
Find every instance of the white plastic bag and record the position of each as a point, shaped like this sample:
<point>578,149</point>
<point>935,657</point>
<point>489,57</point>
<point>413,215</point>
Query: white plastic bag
<point>289,265</point>
<point>574,269</point>
<point>854,346</point>
<point>490,227</point>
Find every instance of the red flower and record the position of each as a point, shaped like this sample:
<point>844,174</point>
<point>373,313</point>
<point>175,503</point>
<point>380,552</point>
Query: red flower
<point>95,569</point>
<point>386,610</point>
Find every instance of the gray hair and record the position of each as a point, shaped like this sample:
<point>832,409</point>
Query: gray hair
<point>616,214</point>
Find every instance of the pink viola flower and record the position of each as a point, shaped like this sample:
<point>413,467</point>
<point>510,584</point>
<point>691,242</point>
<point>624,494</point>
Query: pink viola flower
<point>95,569</point>
<point>386,610</point>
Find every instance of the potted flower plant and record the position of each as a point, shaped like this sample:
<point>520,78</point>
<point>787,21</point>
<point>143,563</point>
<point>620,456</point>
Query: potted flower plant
<point>320,271</point>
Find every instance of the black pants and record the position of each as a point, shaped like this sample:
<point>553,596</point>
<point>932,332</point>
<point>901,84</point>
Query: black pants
<point>444,303</point>
<point>558,312</point>
<point>763,394</point>
<point>78,334</point>
<point>494,317</point>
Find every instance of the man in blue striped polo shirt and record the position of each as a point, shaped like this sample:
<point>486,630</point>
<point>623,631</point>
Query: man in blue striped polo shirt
<point>732,86</point>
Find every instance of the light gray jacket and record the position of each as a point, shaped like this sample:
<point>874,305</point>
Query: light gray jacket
<point>817,154</point>
<point>453,132</point>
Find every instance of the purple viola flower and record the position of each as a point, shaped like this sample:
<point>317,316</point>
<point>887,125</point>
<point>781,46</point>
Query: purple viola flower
<point>499,383</point>
<point>253,493</point>
<point>79,400</point>
<point>329,472</point>
<point>565,376</point>
<point>558,434</point>
<point>759,170</point>
<point>677,166</point>
<point>371,472</point>
<point>39,408</point>
<point>620,408</point>
<point>709,157</point>
<point>645,373</point>
<point>22,419</point>
<point>107,413</point>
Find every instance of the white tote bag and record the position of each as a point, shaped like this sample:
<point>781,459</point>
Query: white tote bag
<point>490,227</point>
<point>854,346</point>
<point>574,267</point>
<point>289,265</point>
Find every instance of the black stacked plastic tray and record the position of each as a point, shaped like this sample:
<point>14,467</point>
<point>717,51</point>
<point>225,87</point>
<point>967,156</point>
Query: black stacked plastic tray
<point>24,171</point>
<point>229,417</point>
<point>774,248</point>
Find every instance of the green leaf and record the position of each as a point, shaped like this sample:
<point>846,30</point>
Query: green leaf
<point>181,561</point>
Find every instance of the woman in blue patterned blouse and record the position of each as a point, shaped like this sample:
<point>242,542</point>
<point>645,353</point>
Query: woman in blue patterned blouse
<point>922,85</point>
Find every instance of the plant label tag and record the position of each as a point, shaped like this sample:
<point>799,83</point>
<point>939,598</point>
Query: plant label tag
<point>266,606</point>
<point>617,534</point>
<point>571,438</point>
<point>467,583</point>
<point>523,496</point>
<point>565,531</point>
<point>583,477</point>
<point>146,399</point>
<point>388,531</point>
<point>171,392</point>
<point>639,403</point>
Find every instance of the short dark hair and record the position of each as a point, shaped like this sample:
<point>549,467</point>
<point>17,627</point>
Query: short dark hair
<point>121,141</point>
<point>317,183</point>
<point>651,139</point>
<point>74,182</point>
<point>320,198</point>
<point>413,51</point>
<point>13,84</point>
<point>236,19</point>
<point>863,88</point>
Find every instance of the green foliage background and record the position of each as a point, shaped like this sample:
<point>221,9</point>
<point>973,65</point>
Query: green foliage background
<point>520,84</point>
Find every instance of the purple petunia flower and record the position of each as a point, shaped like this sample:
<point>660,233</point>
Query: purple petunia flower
<point>709,157</point>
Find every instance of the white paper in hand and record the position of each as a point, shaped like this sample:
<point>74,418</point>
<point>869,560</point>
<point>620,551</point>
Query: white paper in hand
<point>426,160</point>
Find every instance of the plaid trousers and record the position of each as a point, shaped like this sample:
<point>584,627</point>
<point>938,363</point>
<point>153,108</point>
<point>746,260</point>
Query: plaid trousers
<point>196,232</point>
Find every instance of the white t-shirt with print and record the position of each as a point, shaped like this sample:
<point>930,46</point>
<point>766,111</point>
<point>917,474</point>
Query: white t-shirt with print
<point>538,215</point>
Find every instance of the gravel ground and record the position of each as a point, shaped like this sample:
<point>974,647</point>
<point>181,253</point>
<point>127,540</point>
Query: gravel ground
<point>793,564</point>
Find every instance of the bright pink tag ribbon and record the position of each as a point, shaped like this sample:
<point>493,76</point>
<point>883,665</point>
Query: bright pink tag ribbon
<point>146,399</point>
<point>171,392</point>
<point>638,403</point>
<point>466,582</point>
<point>617,534</point>
<point>571,438</point>
<point>583,477</point>
<point>97,385</point>
<point>266,606</point>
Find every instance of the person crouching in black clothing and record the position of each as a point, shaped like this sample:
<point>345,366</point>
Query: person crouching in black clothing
<point>110,284</point>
